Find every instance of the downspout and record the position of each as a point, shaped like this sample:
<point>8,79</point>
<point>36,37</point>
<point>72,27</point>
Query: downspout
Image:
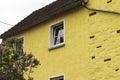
<point>98,10</point>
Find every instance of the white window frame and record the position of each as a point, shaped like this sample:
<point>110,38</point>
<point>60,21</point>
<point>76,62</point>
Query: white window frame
<point>23,41</point>
<point>55,76</point>
<point>51,44</point>
<point>14,45</point>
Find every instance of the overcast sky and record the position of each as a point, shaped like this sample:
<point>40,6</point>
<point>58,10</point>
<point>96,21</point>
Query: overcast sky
<point>13,11</point>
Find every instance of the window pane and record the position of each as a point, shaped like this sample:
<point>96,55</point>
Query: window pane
<point>61,39</point>
<point>61,32</point>
<point>58,78</point>
<point>57,34</point>
<point>55,41</point>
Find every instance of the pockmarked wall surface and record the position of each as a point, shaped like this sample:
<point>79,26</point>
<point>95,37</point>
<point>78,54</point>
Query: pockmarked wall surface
<point>92,44</point>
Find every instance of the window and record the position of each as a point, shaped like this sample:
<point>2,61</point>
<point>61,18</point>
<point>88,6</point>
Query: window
<point>18,45</point>
<point>57,35</point>
<point>57,78</point>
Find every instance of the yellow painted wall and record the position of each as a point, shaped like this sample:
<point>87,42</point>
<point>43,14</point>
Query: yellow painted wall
<point>90,41</point>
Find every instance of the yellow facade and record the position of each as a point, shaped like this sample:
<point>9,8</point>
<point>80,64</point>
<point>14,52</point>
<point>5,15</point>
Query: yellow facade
<point>92,44</point>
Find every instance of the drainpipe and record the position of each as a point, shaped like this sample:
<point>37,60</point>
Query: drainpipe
<point>98,10</point>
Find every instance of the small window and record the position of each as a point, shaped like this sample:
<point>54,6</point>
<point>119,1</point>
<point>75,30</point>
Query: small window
<point>18,45</point>
<point>57,78</point>
<point>57,35</point>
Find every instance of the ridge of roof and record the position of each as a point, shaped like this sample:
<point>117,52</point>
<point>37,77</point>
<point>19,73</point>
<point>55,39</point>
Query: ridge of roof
<point>42,15</point>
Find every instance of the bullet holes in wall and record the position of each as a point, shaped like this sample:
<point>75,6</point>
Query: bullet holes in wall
<point>117,69</point>
<point>118,31</point>
<point>107,59</point>
<point>92,57</point>
<point>92,37</point>
<point>109,1</point>
<point>99,46</point>
<point>93,13</point>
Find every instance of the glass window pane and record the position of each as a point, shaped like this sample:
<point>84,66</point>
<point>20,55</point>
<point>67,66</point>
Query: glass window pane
<point>58,78</point>
<point>57,34</point>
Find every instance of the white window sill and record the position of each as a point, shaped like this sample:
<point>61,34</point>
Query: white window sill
<point>56,46</point>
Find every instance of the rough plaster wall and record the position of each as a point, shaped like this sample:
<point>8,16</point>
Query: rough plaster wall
<point>95,53</point>
<point>104,41</point>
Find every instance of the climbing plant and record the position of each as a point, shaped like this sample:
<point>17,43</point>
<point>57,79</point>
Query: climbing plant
<point>14,63</point>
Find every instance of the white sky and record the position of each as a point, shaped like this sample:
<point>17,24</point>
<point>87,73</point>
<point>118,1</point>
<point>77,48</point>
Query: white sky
<point>13,11</point>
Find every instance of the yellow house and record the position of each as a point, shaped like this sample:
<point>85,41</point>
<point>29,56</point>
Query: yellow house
<point>73,39</point>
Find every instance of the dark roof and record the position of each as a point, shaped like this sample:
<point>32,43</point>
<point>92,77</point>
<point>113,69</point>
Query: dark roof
<point>42,15</point>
